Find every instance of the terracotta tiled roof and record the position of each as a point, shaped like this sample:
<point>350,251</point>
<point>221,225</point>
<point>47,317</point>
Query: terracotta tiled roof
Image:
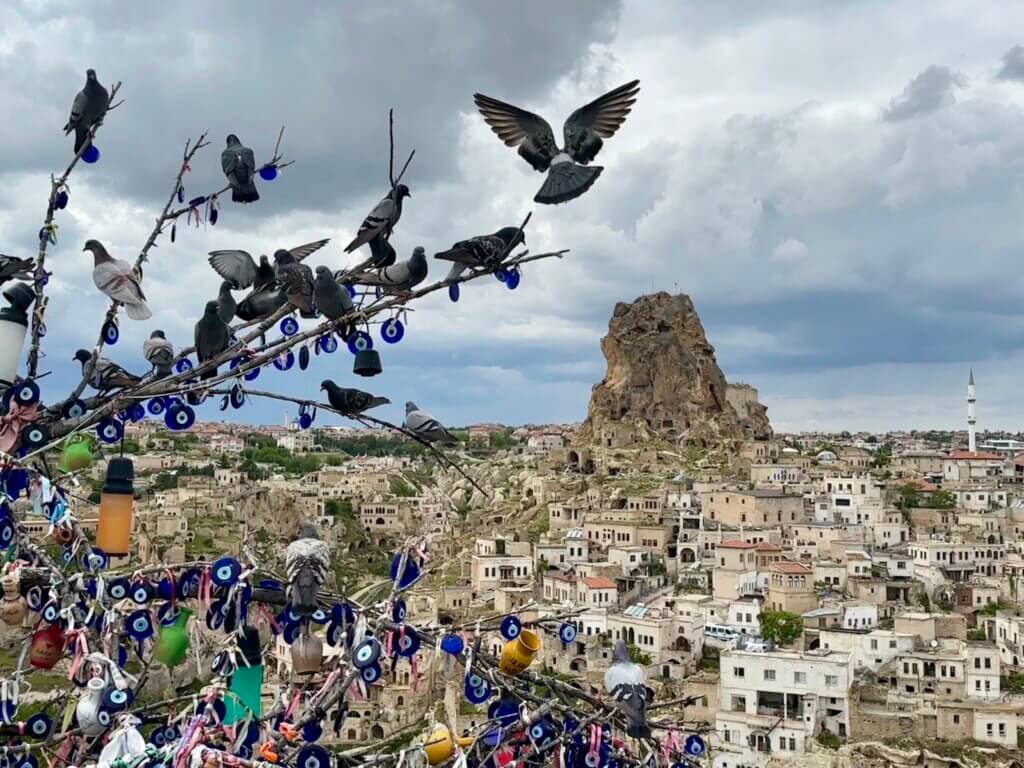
<point>598,582</point>
<point>785,566</point>
<point>737,544</point>
<point>976,455</point>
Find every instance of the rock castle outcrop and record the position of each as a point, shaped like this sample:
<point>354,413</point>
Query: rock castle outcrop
<point>663,382</point>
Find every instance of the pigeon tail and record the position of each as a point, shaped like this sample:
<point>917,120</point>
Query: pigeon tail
<point>377,401</point>
<point>638,730</point>
<point>140,311</point>
<point>81,133</point>
<point>567,181</point>
<point>245,194</point>
<point>304,593</point>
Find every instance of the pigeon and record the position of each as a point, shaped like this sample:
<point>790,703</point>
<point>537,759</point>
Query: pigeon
<point>382,254</point>
<point>482,250</point>
<point>331,299</point>
<point>403,276</point>
<point>625,682</point>
<point>87,109</point>
<point>426,427</point>
<point>106,375</point>
<point>382,219</point>
<point>226,302</point>
<point>296,280</point>
<point>307,561</point>
<point>260,304</point>
<point>239,166</point>
<point>350,402</point>
<point>569,175</point>
<point>118,281</point>
<point>239,268</point>
<point>212,336</point>
<point>159,353</point>
<point>13,268</point>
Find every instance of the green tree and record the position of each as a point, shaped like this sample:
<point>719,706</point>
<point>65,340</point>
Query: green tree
<point>907,497</point>
<point>782,627</point>
<point>943,499</point>
<point>638,657</point>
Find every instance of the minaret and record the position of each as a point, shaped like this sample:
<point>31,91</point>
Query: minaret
<point>972,446</point>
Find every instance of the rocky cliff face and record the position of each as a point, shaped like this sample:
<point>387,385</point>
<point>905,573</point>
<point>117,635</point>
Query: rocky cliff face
<point>663,380</point>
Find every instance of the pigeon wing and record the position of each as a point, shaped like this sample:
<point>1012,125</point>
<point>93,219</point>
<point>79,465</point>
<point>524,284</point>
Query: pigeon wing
<point>77,108</point>
<point>377,221</point>
<point>229,162</point>
<point>117,280</point>
<point>301,252</point>
<point>519,128</point>
<point>604,116</point>
<point>246,164</point>
<point>236,266</point>
<point>158,351</point>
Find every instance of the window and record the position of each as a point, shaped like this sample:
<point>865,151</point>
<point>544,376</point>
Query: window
<point>988,729</point>
<point>738,672</point>
<point>1002,729</point>
<point>988,662</point>
<point>892,643</point>
<point>874,645</point>
<point>831,680</point>
<point>956,719</point>
<point>769,674</point>
<point>739,703</point>
<point>799,677</point>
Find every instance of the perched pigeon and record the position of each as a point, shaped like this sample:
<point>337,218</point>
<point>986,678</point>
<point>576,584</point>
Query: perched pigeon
<point>307,562</point>
<point>482,250</point>
<point>425,426</point>
<point>239,166</point>
<point>403,276</point>
<point>382,254</point>
<point>350,402</point>
<point>266,297</point>
<point>13,268</point>
<point>106,375</point>
<point>226,302</point>
<point>262,303</point>
<point>625,682</point>
<point>212,336</point>
<point>568,173</point>
<point>159,353</point>
<point>240,270</point>
<point>382,219</point>
<point>118,280</point>
<point>296,280</point>
<point>87,109</point>
<point>331,299</point>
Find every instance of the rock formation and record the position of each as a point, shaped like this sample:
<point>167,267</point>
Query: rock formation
<point>663,381</point>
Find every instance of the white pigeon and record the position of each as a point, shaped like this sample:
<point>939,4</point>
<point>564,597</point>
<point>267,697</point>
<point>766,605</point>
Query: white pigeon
<point>118,281</point>
<point>625,682</point>
<point>425,426</point>
<point>159,353</point>
<point>307,562</point>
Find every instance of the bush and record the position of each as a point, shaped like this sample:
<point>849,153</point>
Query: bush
<point>829,740</point>
<point>782,627</point>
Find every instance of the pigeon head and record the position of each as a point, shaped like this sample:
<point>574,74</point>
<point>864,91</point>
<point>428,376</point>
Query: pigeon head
<point>212,308</point>
<point>157,335</point>
<point>511,235</point>
<point>419,252</point>
<point>281,256</point>
<point>233,140</point>
<point>82,356</point>
<point>98,251</point>
<point>227,286</point>
<point>410,406</point>
<point>324,272</point>
<point>90,74</point>
<point>328,385</point>
<point>401,191</point>
<point>621,653</point>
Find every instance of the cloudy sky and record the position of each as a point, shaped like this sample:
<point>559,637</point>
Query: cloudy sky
<point>836,185</point>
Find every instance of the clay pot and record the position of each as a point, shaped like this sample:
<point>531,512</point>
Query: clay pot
<point>47,647</point>
<point>12,612</point>
<point>519,653</point>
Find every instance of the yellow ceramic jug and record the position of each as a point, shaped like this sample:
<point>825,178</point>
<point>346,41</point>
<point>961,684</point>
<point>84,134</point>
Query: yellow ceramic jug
<point>518,653</point>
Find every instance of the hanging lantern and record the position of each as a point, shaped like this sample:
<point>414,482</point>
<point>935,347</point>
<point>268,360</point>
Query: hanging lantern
<point>172,644</point>
<point>518,653</point>
<point>13,327</point>
<point>77,453</point>
<point>367,363</point>
<point>47,647</point>
<point>113,535</point>
<point>13,607</point>
<point>247,680</point>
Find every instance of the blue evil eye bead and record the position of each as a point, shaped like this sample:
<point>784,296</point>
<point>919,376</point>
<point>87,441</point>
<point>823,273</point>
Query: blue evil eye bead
<point>121,656</point>
<point>95,560</point>
<point>398,611</point>
<point>306,418</point>
<point>188,584</point>
<point>67,554</point>
<point>501,275</point>
<point>51,612</point>
<point>342,613</point>
<point>214,215</point>
<point>179,417</point>
<point>366,653</point>
<point>237,397</point>
<point>183,366</point>
<point>268,172</point>
<point>252,374</point>
<point>195,398</point>
<point>327,343</point>
<point>410,574</point>
<point>156,738</point>
<point>567,633</point>
<point>222,664</point>
<point>313,756</point>
<point>452,644</point>
<point>195,202</point>
<point>91,154</point>
<point>136,412</point>
<point>26,761</point>
<point>351,290</point>
<point>215,616</point>
<point>61,201</point>
<point>117,700</point>
<point>694,745</point>
<point>303,358</point>
<point>110,333</point>
<point>181,194</point>
<point>117,589</point>
<point>408,643</point>
<point>359,341</point>
<point>110,430</point>
<point>14,481</point>
<point>335,635</point>
<point>284,362</point>
<point>74,410</point>
<point>511,626</point>
<point>39,726</point>
<point>213,712</point>
<point>392,331</point>
<point>477,694</point>
<point>165,588</point>
<point>289,326</point>
<point>6,532</point>
<point>34,598</point>
<point>512,279</point>
<point>504,711</point>
<point>371,674</point>
<point>453,292</point>
<point>225,571</point>
<point>251,734</point>
<point>291,631</point>
<point>138,624</point>
<point>35,436</point>
<point>7,710</point>
<point>156,406</point>
<point>319,616</point>
<point>171,733</point>
<point>141,592</point>
<point>312,731</point>
<point>26,392</point>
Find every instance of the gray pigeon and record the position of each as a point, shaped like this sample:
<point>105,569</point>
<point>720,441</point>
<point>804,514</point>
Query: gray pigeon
<point>403,276</point>
<point>331,299</point>
<point>87,109</point>
<point>13,268</point>
<point>213,336</point>
<point>568,173</point>
<point>262,303</point>
<point>239,166</point>
<point>106,375</point>
<point>296,280</point>
<point>350,402</point>
<point>382,219</point>
<point>625,682</point>
<point>426,427</point>
<point>239,268</point>
<point>307,561</point>
<point>159,353</point>
<point>226,302</point>
<point>118,281</point>
<point>481,251</point>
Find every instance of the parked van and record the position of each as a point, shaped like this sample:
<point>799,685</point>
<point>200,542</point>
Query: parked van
<point>721,631</point>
